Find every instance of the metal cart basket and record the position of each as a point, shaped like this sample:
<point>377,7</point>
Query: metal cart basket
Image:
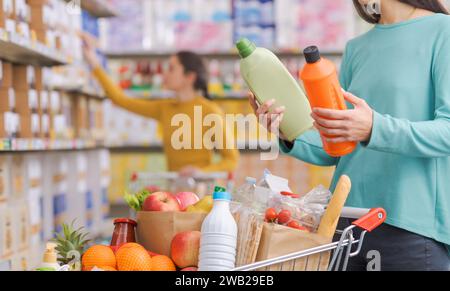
<point>342,250</point>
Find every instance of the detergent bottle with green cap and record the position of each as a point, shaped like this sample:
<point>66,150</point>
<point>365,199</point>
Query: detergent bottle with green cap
<point>268,79</point>
<point>219,235</point>
<point>321,83</point>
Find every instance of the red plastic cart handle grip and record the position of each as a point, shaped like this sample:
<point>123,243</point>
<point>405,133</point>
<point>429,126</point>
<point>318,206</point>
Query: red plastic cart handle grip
<point>371,220</point>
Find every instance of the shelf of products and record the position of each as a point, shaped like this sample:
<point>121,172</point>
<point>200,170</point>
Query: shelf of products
<point>17,49</point>
<point>97,8</point>
<point>76,90</point>
<point>37,145</point>
<point>166,95</point>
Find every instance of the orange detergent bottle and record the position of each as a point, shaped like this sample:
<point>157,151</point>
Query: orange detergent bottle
<point>324,91</point>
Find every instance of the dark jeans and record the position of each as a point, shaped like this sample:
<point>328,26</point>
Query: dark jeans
<point>399,250</point>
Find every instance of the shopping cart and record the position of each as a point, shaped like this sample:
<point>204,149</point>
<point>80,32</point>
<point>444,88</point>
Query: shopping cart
<point>201,184</point>
<point>367,220</point>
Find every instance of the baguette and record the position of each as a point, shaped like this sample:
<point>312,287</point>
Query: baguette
<point>330,219</point>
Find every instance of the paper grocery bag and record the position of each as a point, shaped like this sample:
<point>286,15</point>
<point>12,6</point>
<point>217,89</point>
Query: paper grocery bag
<point>155,230</point>
<point>277,240</point>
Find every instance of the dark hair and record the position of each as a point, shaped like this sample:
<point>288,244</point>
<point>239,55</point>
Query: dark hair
<point>193,63</point>
<point>435,6</point>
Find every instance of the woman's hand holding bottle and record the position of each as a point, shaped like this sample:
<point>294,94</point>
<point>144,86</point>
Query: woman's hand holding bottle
<point>354,125</point>
<point>269,119</point>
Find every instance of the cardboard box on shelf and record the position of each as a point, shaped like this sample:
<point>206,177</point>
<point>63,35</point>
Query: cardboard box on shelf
<point>56,169</point>
<point>79,197</point>
<point>34,104</point>
<point>23,29</point>
<point>34,186</point>
<point>21,77</point>
<point>66,108</point>
<point>38,78</point>
<point>4,107</point>
<point>10,25</point>
<point>37,15</point>
<point>6,11</point>
<point>6,231</point>
<point>23,220</point>
<point>17,176</point>
<point>44,114</point>
<point>21,10</point>
<point>24,112</point>
<point>80,116</point>
<point>5,74</point>
<point>21,261</point>
<point>5,177</point>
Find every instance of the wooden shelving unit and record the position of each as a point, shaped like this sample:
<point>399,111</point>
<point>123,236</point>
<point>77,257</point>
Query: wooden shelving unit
<point>17,49</point>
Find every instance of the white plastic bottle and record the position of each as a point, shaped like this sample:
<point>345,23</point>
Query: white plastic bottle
<point>219,236</point>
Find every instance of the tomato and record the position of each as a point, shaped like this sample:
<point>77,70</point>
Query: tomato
<point>296,225</point>
<point>284,216</point>
<point>271,215</point>
<point>293,224</point>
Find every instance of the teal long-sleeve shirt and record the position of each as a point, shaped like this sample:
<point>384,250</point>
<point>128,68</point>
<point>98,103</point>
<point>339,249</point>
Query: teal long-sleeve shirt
<point>403,72</point>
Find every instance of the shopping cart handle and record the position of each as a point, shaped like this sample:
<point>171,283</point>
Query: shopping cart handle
<point>371,220</point>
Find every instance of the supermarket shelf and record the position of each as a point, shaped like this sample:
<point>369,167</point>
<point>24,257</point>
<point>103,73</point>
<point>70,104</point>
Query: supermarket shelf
<point>76,90</point>
<point>215,55</point>
<point>17,49</point>
<point>166,95</point>
<point>38,145</point>
<point>156,148</point>
<point>97,8</point>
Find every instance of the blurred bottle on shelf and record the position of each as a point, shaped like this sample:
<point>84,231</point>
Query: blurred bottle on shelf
<point>215,86</point>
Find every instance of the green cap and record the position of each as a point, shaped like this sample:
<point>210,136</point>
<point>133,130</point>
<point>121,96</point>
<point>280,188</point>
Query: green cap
<point>245,47</point>
<point>219,189</point>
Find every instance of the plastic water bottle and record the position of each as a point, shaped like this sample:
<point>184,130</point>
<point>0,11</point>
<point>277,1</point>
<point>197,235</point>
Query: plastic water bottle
<point>219,235</point>
<point>244,194</point>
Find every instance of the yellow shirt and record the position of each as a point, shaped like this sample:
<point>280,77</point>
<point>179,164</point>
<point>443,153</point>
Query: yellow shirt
<point>163,111</point>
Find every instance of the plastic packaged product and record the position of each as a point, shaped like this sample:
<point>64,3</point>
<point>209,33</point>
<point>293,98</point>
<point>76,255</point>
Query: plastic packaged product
<point>322,86</point>
<point>219,235</point>
<point>244,194</point>
<point>269,79</point>
<point>306,210</point>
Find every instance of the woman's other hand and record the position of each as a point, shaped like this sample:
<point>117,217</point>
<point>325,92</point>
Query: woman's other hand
<point>270,120</point>
<point>89,50</point>
<point>353,125</point>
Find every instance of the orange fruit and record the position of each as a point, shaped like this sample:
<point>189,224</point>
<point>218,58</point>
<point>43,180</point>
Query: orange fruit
<point>133,257</point>
<point>162,263</point>
<point>98,255</point>
<point>103,268</point>
<point>130,245</point>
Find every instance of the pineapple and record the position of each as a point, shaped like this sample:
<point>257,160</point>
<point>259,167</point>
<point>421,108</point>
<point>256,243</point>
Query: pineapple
<point>70,245</point>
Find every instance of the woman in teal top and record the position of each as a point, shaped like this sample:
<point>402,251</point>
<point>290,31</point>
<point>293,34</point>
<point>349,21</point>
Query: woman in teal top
<point>400,71</point>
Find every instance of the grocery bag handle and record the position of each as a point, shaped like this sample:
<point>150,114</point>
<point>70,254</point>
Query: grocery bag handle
<point>366,219</point>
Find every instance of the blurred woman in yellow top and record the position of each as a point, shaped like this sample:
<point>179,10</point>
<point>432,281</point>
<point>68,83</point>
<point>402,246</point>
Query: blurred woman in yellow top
<point>187,77</point>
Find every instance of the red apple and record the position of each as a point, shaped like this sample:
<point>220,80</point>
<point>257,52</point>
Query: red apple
<point>161,201</point>
<point>185,248</point>
<point>186,199</point>
<point>192,269</point>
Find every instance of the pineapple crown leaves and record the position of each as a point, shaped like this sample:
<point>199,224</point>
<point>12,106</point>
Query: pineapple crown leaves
<point>70,240</point>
